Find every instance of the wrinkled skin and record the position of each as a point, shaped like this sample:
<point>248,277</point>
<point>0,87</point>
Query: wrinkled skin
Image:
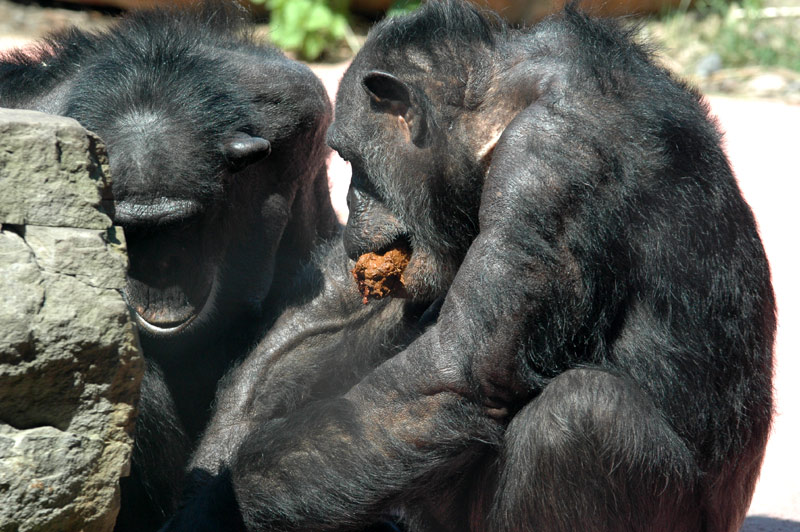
<point>587,338</point>
<point>217,156</point>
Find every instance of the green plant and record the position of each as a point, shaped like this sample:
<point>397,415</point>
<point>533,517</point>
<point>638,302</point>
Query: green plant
<point>308,27</point>
<point>738,31</point>
<point>403,7</point>
<point>747,38</point>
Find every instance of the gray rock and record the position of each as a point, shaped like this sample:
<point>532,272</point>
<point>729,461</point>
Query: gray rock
<point>23,295</point>
<point>95,257</point>
<point>708,65</point>
<point>52,172</point>
<point>70,365</point>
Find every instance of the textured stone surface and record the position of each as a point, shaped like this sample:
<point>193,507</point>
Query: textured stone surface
<point>69,359</point>
<point>53,172</point>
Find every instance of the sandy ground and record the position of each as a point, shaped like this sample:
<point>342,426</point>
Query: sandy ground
<point>763,144</point>
<point>762,140</point>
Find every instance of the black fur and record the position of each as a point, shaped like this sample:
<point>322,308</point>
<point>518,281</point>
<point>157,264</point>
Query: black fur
<point>602,359</point>
<point>218,164</point>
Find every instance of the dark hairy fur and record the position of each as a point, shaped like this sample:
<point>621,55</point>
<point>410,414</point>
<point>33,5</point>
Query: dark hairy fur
<point>217,157</point>
<point>587,338</point>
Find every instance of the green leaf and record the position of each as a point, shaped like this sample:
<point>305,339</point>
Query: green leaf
<point>295,12</point>
<point>308,27</point>
<point>313,46</point>
<point>285,37</point>
<point>338,27</point>
<point>291,41</point>
<point>320,17</point>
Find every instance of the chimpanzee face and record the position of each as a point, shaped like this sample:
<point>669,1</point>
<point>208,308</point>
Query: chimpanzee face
<point>206,175</point>
<point>414,181</point>
<point>180,209</point>
<point>185,196</point>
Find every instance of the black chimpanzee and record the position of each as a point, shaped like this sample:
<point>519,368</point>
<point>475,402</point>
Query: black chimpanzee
<point>601,359</point>
<point>217,155</point>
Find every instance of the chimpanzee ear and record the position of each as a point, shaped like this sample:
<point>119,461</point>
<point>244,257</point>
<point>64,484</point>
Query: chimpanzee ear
<point>385,89</point>
<point>241,150</point>
<point>391,95</point>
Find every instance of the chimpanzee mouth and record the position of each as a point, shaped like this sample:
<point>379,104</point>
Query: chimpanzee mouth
<point>170,310</point>
<point>421,278</point>
<point>401,241</point>
<point>172,277</point>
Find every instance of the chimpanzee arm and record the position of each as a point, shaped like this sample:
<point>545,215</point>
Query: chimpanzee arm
<point>315,350</point>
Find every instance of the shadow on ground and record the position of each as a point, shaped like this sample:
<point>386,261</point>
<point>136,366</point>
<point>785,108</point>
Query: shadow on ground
<point>760,523</point>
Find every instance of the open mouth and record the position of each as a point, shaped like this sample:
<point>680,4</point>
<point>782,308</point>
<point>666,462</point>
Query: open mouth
<point>171,277</point>
<point>401,242</point>
<point>169,310</point>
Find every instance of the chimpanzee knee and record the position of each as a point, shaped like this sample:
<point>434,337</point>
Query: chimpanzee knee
<point>592,452</point>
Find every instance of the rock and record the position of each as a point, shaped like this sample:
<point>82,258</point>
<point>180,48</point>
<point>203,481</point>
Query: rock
<point>708,65</point>
<point>70,365</point>
<point>54,173</point>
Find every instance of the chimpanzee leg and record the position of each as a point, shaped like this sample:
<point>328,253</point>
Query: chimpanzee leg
<point>161,448</point>
<point>592,452</point>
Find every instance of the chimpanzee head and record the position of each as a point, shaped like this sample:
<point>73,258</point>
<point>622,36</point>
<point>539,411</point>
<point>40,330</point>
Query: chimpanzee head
<point>190,201</point>
<point>215,149</point>
<point>414,121</point>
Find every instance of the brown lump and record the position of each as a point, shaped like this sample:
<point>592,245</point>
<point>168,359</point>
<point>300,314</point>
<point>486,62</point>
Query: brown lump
<point>381,275</point>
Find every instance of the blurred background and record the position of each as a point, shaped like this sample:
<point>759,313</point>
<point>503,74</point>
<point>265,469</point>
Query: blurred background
<point>732,47</point>
<point>744,55</point>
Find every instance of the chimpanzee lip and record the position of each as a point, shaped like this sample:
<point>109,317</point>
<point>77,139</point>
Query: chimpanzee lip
<point>401,241</point>
<point>158,330</point>
<point>177,326</point>
<point>158,211</point>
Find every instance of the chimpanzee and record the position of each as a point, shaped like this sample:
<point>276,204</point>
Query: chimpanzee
<point>217,155</point>
<point>586,336</point>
